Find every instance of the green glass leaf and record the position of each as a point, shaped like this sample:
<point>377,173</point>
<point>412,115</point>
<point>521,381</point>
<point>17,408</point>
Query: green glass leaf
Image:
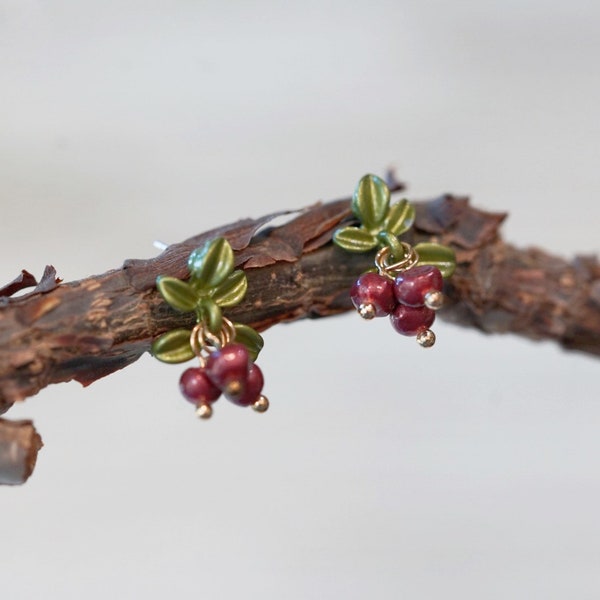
<point>250,338</point>
<point>232,290</point>
<point>211,264</point>
<point>173,347</point>
<point>437,255</point>
<point>178,294</point>
<point>371,201</point>
<point>354,239</point>
<point>211,314</point>
<point>400,217</point>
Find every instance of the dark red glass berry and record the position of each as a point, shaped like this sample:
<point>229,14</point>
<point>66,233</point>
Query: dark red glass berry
<point>375,290</point>
<point>411,286</point>
<point>197,387</point>
<point>409,320</point>
<point>252,389</point>
<point>228,368</point>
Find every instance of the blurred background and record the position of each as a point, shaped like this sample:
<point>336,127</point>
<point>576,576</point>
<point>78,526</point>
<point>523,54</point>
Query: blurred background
<point>381,470</point>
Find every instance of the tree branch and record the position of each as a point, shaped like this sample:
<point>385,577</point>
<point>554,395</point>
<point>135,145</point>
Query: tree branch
<point>87,329</point>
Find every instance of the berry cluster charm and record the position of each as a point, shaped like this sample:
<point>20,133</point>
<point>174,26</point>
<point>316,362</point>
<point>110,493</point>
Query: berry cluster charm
<point>226,351</point>
<point>409,281</point>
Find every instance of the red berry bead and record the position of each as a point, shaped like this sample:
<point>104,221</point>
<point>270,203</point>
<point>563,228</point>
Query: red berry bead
<point>373,295</point>
<point>228,369</point>
<point>409,320</point>
<point>252,389</point>
<point>419,286</point>
<point>197,387</point>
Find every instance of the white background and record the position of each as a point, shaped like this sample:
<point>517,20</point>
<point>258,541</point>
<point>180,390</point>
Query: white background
<point>382,470</point>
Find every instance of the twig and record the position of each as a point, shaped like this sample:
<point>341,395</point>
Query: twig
<point>19,446</point>
<point>87,329</point>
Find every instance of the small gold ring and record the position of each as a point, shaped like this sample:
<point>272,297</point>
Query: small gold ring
<point>410,260</point>
<point>203,341</point>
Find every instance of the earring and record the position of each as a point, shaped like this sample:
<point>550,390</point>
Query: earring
<point>407,281</point>
<point>226,351</point>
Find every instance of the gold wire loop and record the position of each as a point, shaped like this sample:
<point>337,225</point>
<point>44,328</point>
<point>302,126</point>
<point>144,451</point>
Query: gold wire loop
<point>203,341</point>
<point>409,260</point>
<point>229,330</point>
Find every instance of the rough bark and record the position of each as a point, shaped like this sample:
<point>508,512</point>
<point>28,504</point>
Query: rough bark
<point>87,329</point>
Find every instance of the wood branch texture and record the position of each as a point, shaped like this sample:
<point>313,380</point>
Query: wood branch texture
<point>87,329</point>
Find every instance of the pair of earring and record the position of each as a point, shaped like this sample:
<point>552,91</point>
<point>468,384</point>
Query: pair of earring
<point>406,284</point>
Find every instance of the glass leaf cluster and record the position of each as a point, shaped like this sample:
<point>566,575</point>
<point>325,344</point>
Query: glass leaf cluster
<point>381,224</point>
<point>212,286</point>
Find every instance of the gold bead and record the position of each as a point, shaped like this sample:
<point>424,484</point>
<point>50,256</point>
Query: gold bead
<point>366,311</point>
<point>426,338</point>
<point>233,389</point>
<point>434,299</point>
<point>204,411</point>
<point>261,405</point>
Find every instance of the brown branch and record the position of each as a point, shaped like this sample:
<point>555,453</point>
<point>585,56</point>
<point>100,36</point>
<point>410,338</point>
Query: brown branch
<point>87,329</point>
